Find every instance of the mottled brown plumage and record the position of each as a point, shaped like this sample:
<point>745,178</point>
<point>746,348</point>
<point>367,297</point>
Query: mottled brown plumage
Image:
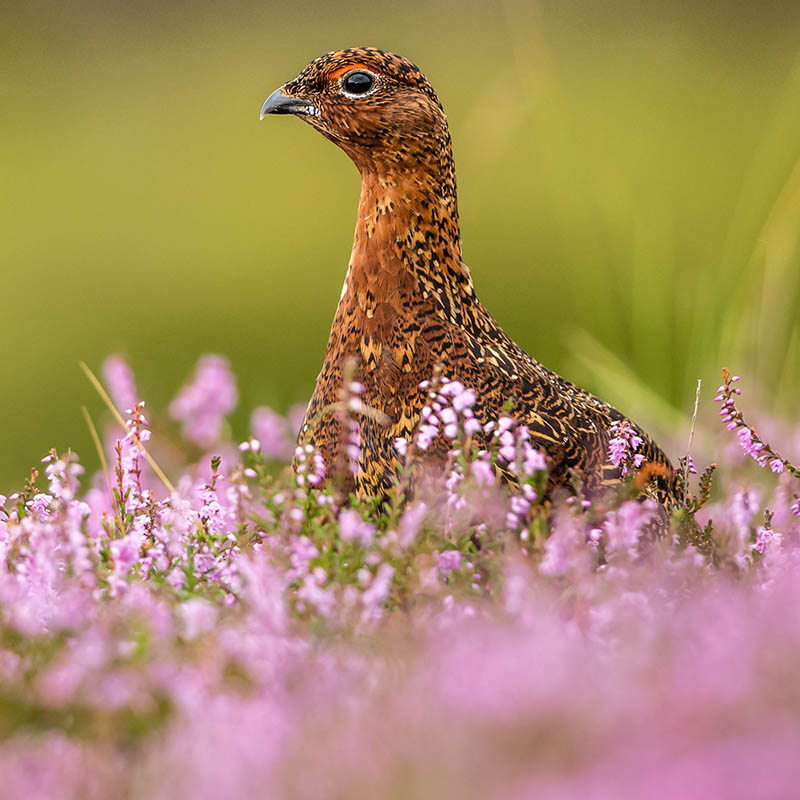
<point>408,301</point>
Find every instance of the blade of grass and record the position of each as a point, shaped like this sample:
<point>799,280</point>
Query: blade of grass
<point>691,432</point>
<point>617,383</point>
<point>113,409</point>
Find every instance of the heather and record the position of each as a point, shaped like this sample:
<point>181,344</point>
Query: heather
<point>198,620</point>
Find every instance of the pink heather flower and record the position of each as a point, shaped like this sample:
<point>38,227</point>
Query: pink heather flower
<point>624,526</point>
<point>508,445</point>
<point>272,432</point>
<point>504,424</point>
<point>310,466</point>
<point>471,426</point>
<point>454,500</point>
<point>317,473</point>
<point>519,509</point>
<point>301,553</point>
<point>401,445</point>
<point>353,448</point>
<point>795,509</point>
<point>40,504</point>
<point>63,474</point>
<point>198,616</point>
<point>533,460</point>
<point>743,506</point>
<point>506,438</point>
<point>129,466</point>
<point>410,523</point>
<point>483,472</point>
<point>508,453</point>
<point>623,445</point>
<point>120,382</point>
<point>364,576</point>
<point>211,512</point>
<point>448,416</point>
<point>320,599</point>
<point>751,446</point>
<point>748,440</point>
<point>354,529</point>
<point>137,424</point>
<point>376,594</point>
<point>447,562</point>
<point>202,405</point>
<point>766,538</point>
<point>617,450</point>
<point>565,547</point>
<point>426,434</point>
<point>125,552</point>
<point>464,400</point>
<point>176,577</point>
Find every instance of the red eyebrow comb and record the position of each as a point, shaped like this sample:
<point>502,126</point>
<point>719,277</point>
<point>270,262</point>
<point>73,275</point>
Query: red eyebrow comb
<point>339,71</point>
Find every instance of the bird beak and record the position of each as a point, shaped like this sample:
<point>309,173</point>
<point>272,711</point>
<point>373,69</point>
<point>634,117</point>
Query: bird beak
<point>280,103</point>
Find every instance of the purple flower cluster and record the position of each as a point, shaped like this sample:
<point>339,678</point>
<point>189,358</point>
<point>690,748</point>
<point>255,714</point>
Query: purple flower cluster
<point>448,413</point>
<point>447,562</point>
<point>202,405</point>
<point>478,456</point>
<point>750,442</point>
<point>249,635</point>
<point>622,447</point>
<point>354,405</point>
<point>273,435</point>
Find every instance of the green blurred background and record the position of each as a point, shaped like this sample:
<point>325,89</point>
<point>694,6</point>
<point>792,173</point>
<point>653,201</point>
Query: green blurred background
<point>628,173</point>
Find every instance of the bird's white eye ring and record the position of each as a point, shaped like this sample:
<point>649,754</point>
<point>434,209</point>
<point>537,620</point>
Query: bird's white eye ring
<point>359,83</point>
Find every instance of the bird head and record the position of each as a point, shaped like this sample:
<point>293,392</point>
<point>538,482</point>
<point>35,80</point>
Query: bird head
<point>377,106</point>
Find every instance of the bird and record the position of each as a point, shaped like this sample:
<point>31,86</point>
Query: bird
<point>408,305</point>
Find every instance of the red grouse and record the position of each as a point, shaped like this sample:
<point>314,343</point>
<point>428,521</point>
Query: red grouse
<point>408,302</point>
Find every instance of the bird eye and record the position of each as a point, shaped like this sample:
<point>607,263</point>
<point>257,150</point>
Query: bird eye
<point>358,83</point>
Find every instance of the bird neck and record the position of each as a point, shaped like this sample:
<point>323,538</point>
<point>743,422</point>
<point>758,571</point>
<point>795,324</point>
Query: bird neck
<point>407,237</point>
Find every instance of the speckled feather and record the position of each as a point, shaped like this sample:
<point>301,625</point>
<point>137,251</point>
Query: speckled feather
<point>408,302</point>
